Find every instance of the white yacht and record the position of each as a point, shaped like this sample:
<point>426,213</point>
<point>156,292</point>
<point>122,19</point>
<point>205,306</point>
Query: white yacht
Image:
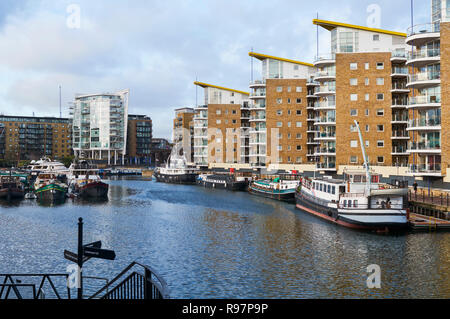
<point>177,170</point>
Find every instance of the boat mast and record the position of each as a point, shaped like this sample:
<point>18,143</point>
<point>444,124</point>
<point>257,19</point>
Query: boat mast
<point>366,164</point>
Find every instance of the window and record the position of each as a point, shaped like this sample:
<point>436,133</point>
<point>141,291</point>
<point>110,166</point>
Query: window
<point>333,190</point>
<point>218,121</point>
<point>279,124</point>
<point>380,112</point>
<point>380,143</point>
<point>353,82</point>
<point>298,160</point>
<point>289,124</point>
<point>298,124</point>
<point>289,112</point>
<point>218,112</point>
<point>380,97</point>
<point>376,37</point>
<point>353,159</point>
<point>289,89</point>
<point>279,101</point>
<point>234,121</point>
<point>367,97</point>
<point>353,112</point>
<point>289,101</point>
<point>279,112</point>
<point>367,128</point>
<point>380,159</point>
<point>380,81</point>
<point>298,89</point>
<point>366,66</point>
<point>299,101</point>
<point>280,136</point>
<point>299,147</point>
<point>234,112</point>
<point>367,143</point>
<point>353,66</point>
<point>380,66</point>
<point>366,81</point>
<point>299,136</point>
<point>279,89</point>
<point>354,143</point>
<point>353,128</point>
<point>279,147</point>
<point>380,128</point>
<point>299,112</point>
<point>353,97</point>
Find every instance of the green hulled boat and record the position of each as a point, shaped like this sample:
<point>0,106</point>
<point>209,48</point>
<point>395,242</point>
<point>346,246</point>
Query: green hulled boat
<point>49,189</point>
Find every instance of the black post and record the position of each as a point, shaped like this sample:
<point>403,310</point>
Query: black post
<point>80,257</point>
<point>147,284</point>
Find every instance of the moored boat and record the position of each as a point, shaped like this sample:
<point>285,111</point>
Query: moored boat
<point>357,201</point>
<point>49,188</point>
<point>84,181</point>
<point>279,189</point>
<point>177,170</point>
<point>11,187</point>
<point>229,182</point>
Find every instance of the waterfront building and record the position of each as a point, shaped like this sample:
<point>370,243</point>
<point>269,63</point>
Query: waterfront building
<point>363,78</point>
<point>221,127</point>
<point>139,139</point>
<point>30,137</point>
<point>99,126</point>
<point>429,114</point>
<point>283,108</point>
<point>183,131</point>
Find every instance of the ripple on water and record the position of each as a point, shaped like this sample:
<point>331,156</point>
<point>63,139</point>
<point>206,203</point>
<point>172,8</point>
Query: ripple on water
<point>219,244</point>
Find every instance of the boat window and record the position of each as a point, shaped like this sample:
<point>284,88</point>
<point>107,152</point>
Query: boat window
<point>329,189</point>
<point>345,203</point>
<point>355,203</point>
<point>333,190</point>
<point>321,187</point>
<point>357,179</point>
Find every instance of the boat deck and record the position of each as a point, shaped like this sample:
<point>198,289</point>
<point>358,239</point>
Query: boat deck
<point>421,222</point>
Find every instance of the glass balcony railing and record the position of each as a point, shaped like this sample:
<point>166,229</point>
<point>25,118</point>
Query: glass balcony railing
<point>399,70</point>
<point>326,135</point>
<point>425,99</point>
<point>400,118</point>
<point>326,165</point>
<point>425,146</point>
<point>325,74</point>
<point>325,119</point>
<point>425,76</point>
<point>422,54</point>
<point>325,57</point>
<point>422,122</point>
<point>399,53</point>
<point>400,134</point>
<point>329,150</point>
<point>424,28</point>
<point>425,168</point>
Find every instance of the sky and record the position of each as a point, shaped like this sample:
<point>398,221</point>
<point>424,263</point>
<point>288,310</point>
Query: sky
<point>157,49</point>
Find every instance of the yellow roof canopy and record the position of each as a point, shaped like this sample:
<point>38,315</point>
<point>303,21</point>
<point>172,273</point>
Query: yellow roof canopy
<point>206,85</point>
<point>330,25</point>
<point>261,56</point>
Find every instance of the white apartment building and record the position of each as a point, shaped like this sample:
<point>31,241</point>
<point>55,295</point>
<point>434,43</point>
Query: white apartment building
<point>99,126</point>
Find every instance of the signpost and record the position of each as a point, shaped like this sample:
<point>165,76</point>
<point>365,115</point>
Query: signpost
<point>86,252</point>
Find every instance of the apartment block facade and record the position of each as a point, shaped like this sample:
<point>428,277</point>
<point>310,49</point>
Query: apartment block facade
<point>279,135</point>
<point>183,131</point>
<point>139,139</point>
<point>221,127</point>
<point>30,138</point>
<point>99,126</point>
<point>364,78</point>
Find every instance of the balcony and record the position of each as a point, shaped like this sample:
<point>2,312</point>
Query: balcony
<point>424,79</point>
<point>258,83</point>
<point>257,130</point>
<point>325,121</point>
<point>399,72</point>
<point>425,101</point>
<point>423,124</point>
<point>258,95</point>
<point>324,76</point>
<point>425,147</point>
<point>258,118</point>
<point>421,34</point>
<point>399,88</point>
<point>324,60</point>
<point>326,166</point>
<point>399,103</point>
<point>425,170</point>
<point>331,105</point>
<point>423,57</point>
<point>326,136</point>
<point>400,150</point>
<point>312,83</point>
<point>400,135</point>
<point>325,90</point>
<point>259,106</point>
<point>326,151</point>
<point>399,119</point>
<point>312,142</point>
<point>398,56</point>
<point>311,94</point>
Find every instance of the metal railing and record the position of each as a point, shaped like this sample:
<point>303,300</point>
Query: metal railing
<point>12,286</point>
<point>425,76</point>
<point>424,28</point>
<point>425,99</point>
<point>425,122</point>
<point>425,146</point>
<point>134,285</point>
<point>425,53</point>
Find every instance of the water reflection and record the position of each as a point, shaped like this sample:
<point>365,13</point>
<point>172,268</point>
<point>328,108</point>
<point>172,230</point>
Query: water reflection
<point>218,244</point>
